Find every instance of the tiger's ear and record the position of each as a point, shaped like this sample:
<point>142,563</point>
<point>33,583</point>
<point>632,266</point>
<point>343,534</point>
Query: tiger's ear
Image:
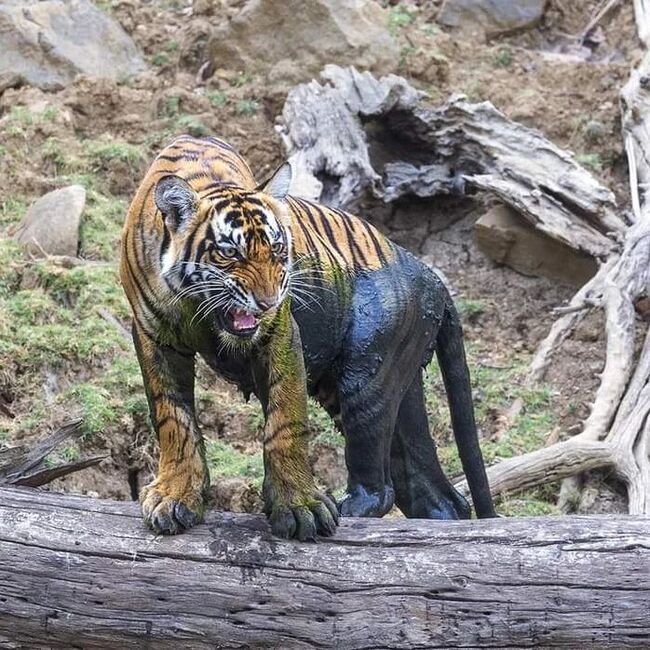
<point>278,185</point>
<point>176,200</point>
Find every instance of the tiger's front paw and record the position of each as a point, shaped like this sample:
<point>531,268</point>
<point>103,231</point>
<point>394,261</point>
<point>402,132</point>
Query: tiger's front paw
<point>303,517</point>
<point>168,511</point>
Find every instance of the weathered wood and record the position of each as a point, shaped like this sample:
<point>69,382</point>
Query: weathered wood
<point>79,572</point>
<point>616,434</point>
<point>30,465</point>
<point>355,133</point>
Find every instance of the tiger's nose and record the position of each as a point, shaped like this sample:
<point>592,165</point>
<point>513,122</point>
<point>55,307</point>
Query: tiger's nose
<point>265,302</point>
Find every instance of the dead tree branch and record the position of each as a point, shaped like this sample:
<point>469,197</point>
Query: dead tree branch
<point>30,465</point>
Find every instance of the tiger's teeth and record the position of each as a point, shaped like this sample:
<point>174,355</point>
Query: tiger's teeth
<point>243,320</point>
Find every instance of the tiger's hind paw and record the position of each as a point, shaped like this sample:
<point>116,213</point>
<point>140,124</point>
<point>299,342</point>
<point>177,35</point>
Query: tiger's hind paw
<point>167,515</point>
<point>359,502</point>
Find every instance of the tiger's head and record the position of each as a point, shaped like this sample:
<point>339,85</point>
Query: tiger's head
<point>231,251</point>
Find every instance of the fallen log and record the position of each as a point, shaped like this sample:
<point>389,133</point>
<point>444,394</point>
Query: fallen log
<point>80,572</point>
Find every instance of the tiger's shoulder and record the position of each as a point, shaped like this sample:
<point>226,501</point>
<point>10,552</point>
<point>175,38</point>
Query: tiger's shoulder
<point>337,236</point>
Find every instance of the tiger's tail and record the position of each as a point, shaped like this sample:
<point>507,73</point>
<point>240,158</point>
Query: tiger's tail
<point>451,357</point>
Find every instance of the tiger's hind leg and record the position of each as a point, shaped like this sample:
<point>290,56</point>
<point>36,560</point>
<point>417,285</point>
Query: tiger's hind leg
<point>368,420</point>
<point>421,488</point>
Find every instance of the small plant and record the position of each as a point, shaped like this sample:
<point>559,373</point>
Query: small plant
<point>217,98</point>
<point>247,107</point>
<point>102,152</point>
<point>398,18</point>
<point>172,106</point>
<point>470,309</point>
<point>504,57</point>
<point>591,160</point>
<point>594,130</point>
<point>192,125</point>
<point>52,151</point>
<point>161,59</point>
<point>241,79</point>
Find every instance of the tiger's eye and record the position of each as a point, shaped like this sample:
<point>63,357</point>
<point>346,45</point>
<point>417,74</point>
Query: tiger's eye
<point>228,251</point>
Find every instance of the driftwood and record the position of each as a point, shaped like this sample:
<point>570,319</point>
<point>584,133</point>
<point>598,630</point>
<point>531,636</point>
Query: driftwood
<point>30,465</point>
<point>80,572</point>
<point>617,432</point>
<point>356,133</point>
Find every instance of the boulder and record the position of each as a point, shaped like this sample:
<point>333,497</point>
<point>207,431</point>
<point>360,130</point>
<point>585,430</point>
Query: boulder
<point>47,43</point>
<point>51,225</point>
<point>492,16</point>
<point>303,35</point>
<point>506,238</point>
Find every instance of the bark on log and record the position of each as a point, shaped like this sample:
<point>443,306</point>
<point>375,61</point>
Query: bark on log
<point>79,572</point>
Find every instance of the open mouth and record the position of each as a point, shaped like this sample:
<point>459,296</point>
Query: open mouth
<point>240,322</point>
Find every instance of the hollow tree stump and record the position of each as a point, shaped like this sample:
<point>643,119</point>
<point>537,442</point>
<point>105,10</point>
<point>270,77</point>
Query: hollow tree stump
<point>79,572</point>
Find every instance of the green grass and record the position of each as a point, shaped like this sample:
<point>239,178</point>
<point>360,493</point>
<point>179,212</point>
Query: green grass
<point>98,408</point>
<point>470,309</point>
<point>591,160</point>
<point>12,210</point>
<point>99,153</point>
<point>241,79</point>
<point>217,98</point>
<point>50,324</point>
<point>101,226</point>
<point>161,59</point>
<point>495,387</point>
<point>504,57</point>
<point>247,107</point>
<point>192,125</point>
<point>399,17</point>
<point>172,106</point>
<point>226,461</point>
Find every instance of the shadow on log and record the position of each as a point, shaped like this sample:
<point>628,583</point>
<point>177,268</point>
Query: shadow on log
<point>80,572</point>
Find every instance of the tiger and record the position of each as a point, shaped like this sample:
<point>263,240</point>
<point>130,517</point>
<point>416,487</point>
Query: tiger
<point>287,298</point>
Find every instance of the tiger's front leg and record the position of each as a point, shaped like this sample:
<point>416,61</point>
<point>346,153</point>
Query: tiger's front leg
<point>293,503</point>
<point>175,499</point>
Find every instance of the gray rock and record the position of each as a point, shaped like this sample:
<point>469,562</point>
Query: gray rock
<point>492,16</point>
<point>309,33</point>
<point>48,43</point>
<point>51,225</point>
<point>507,238</point>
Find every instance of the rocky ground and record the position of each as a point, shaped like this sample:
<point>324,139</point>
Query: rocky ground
<point>63,349</point>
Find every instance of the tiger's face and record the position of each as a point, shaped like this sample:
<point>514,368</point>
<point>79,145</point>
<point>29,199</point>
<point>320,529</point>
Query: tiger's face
<point>231,252</point>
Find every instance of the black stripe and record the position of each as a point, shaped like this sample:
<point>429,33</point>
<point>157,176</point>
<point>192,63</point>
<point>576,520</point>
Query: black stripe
<point>306,207</point>
<point>378,249</point>
<point>352,243</point>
